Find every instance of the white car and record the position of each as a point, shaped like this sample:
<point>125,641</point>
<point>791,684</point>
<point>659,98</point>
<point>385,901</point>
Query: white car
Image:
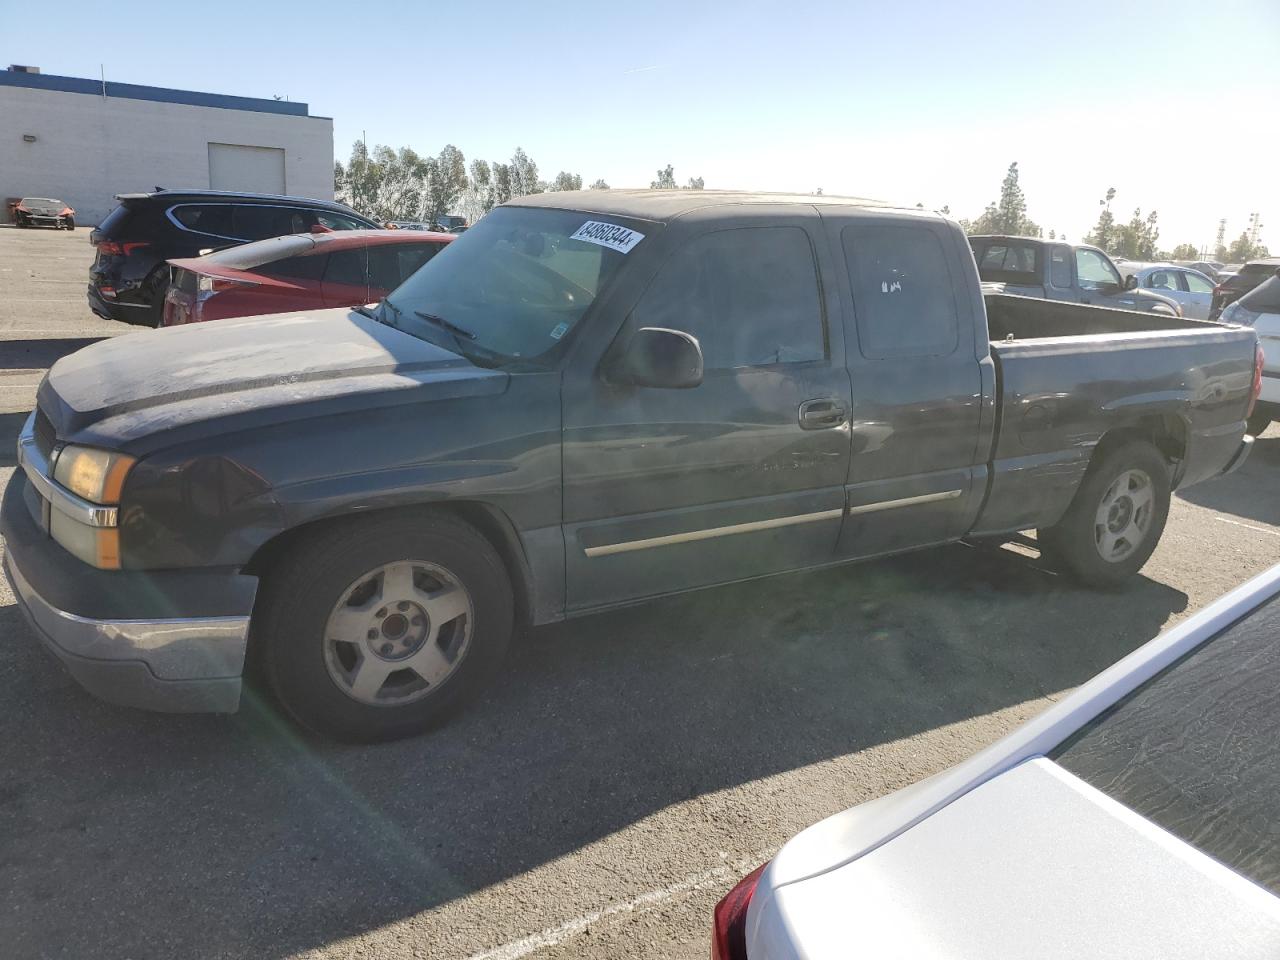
<point>1260,309</point>
<point>1191,289</point>
<point>1137,818</point>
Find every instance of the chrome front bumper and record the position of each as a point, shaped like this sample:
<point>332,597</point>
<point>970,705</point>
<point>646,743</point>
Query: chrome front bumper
<point>178,666</point>
<point>170,663</point>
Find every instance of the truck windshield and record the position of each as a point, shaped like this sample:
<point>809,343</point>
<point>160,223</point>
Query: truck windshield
<point>514,286</point>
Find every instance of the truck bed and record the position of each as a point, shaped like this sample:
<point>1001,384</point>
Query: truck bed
<point>1067,374</point>
<point>1012,317</point>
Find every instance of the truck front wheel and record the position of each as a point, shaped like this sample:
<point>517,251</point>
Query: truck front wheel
<point>1116,519</point>
<point>376,629</point>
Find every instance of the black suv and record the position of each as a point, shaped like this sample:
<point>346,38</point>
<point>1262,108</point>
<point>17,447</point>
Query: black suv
<point>1237,285</point>
<point>129,275</point>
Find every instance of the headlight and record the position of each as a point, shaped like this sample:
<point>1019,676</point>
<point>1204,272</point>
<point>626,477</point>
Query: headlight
<point>95,475</point>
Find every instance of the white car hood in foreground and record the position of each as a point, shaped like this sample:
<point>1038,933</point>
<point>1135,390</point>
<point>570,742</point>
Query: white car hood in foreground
<point>1033,863</point>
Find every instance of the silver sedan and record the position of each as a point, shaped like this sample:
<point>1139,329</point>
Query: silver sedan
<point>1133,820</point>
<point>1192,290</point>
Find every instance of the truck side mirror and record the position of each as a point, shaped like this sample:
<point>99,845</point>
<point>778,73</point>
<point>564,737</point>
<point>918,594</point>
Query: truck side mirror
<point>1131,282</point>
<point>657,357</point>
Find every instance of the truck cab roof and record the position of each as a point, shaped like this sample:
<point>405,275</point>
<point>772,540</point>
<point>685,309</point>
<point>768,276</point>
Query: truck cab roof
<point>661,205</point>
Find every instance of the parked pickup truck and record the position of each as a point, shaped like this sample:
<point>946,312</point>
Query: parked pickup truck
<point>586,400</point>
<point>1051,270</point>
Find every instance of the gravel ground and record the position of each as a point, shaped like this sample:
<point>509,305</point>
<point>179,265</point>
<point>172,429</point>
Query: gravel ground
<point>614,783</point>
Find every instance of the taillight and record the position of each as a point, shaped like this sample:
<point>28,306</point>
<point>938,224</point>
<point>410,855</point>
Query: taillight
<point>116,248</point>
<point>207,285</point>
<point>1258,359</point>
<point>729,935</point>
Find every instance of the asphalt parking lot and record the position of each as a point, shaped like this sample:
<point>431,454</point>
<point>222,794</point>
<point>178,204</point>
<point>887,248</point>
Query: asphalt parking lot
<point>619,777</point>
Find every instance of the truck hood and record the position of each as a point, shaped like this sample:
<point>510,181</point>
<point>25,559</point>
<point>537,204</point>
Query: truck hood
<point>119,392</point>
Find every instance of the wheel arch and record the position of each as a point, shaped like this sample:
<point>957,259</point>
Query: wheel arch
<point>1166,432</point>
<point>491,522</point>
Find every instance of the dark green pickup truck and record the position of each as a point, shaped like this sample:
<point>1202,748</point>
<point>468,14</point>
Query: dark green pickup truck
<point>586,400</point>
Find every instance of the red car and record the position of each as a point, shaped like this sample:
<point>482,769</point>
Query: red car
<point>302,271</point>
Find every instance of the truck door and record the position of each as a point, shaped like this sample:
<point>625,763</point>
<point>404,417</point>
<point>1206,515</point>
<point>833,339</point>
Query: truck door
<point>740,476</point>
<point>1100,282</point>
<point>917,370</point>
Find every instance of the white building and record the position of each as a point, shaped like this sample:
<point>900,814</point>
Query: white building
<point>84,141</point>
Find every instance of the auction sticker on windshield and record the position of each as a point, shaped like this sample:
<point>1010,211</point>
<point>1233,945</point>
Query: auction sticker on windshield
<point>608,235</point>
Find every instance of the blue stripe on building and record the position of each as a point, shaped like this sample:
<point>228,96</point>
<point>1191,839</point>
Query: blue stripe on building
<point>133,91</point>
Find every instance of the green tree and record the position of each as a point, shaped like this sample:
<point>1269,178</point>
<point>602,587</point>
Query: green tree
<point>524,175</point>
<point>600,185</point>
<point>1009,215</point>
<point>502,185</point>
<point>360,179</point>
<point>443,179</point>
<point>695,183</point>
<point>566,181</point>
<point>1137,239</point>
<point>1244,248</point>
<point>1104,231</point>
<point>1185,251</point>
<point>666,180</point>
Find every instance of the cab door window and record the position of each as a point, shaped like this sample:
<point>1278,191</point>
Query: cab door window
<point>749,295</point>
<point>1095,271</point>
<point>903,292</point>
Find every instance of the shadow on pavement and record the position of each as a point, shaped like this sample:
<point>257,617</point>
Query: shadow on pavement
<point>39,354</point>
<point>1252,492</point>
<point>124,833</point>
<point>10,427</point>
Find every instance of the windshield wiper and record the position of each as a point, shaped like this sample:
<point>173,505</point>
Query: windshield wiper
<point>365,312</point>
<point>442,322</point>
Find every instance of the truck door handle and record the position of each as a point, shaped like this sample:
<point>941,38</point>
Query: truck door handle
<point>821,414</point>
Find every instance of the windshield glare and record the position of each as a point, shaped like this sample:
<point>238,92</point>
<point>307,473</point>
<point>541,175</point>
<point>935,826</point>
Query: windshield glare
<point>515,284</point>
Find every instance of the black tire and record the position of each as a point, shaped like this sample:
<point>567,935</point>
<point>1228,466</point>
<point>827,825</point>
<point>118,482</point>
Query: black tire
<point>1072,544</point>
<point>1258,423</point>
<point>153,291</point>
<point>301,591</point>
<point>70,223</point>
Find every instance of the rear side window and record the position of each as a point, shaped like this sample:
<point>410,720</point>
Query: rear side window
<point>113,226</point>
<point>903,294</point>
<point>346,266</point>
<point>1060,268</point>
<point>337,221</point>
<point>1197,283</point>
<point>295,268</point>
<point>1162,280</point>
<point>262,222</point>
<point>1195,749</point>
<point>212,218</point>
<point>413,256</point>
<point>749,295</point>
<point>392,264</point>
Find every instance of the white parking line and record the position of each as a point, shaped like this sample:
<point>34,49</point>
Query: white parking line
<point>1249,526</point>
<point>570,928</point>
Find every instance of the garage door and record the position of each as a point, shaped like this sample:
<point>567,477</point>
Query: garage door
<point>246,169</point>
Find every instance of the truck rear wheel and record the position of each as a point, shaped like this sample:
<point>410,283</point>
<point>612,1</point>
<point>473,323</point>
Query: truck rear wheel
<point>377,629</point>
<point>1116,519</point>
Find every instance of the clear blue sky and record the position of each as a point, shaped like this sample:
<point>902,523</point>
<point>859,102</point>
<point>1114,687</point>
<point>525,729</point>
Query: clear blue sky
<point>1173,104</point>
